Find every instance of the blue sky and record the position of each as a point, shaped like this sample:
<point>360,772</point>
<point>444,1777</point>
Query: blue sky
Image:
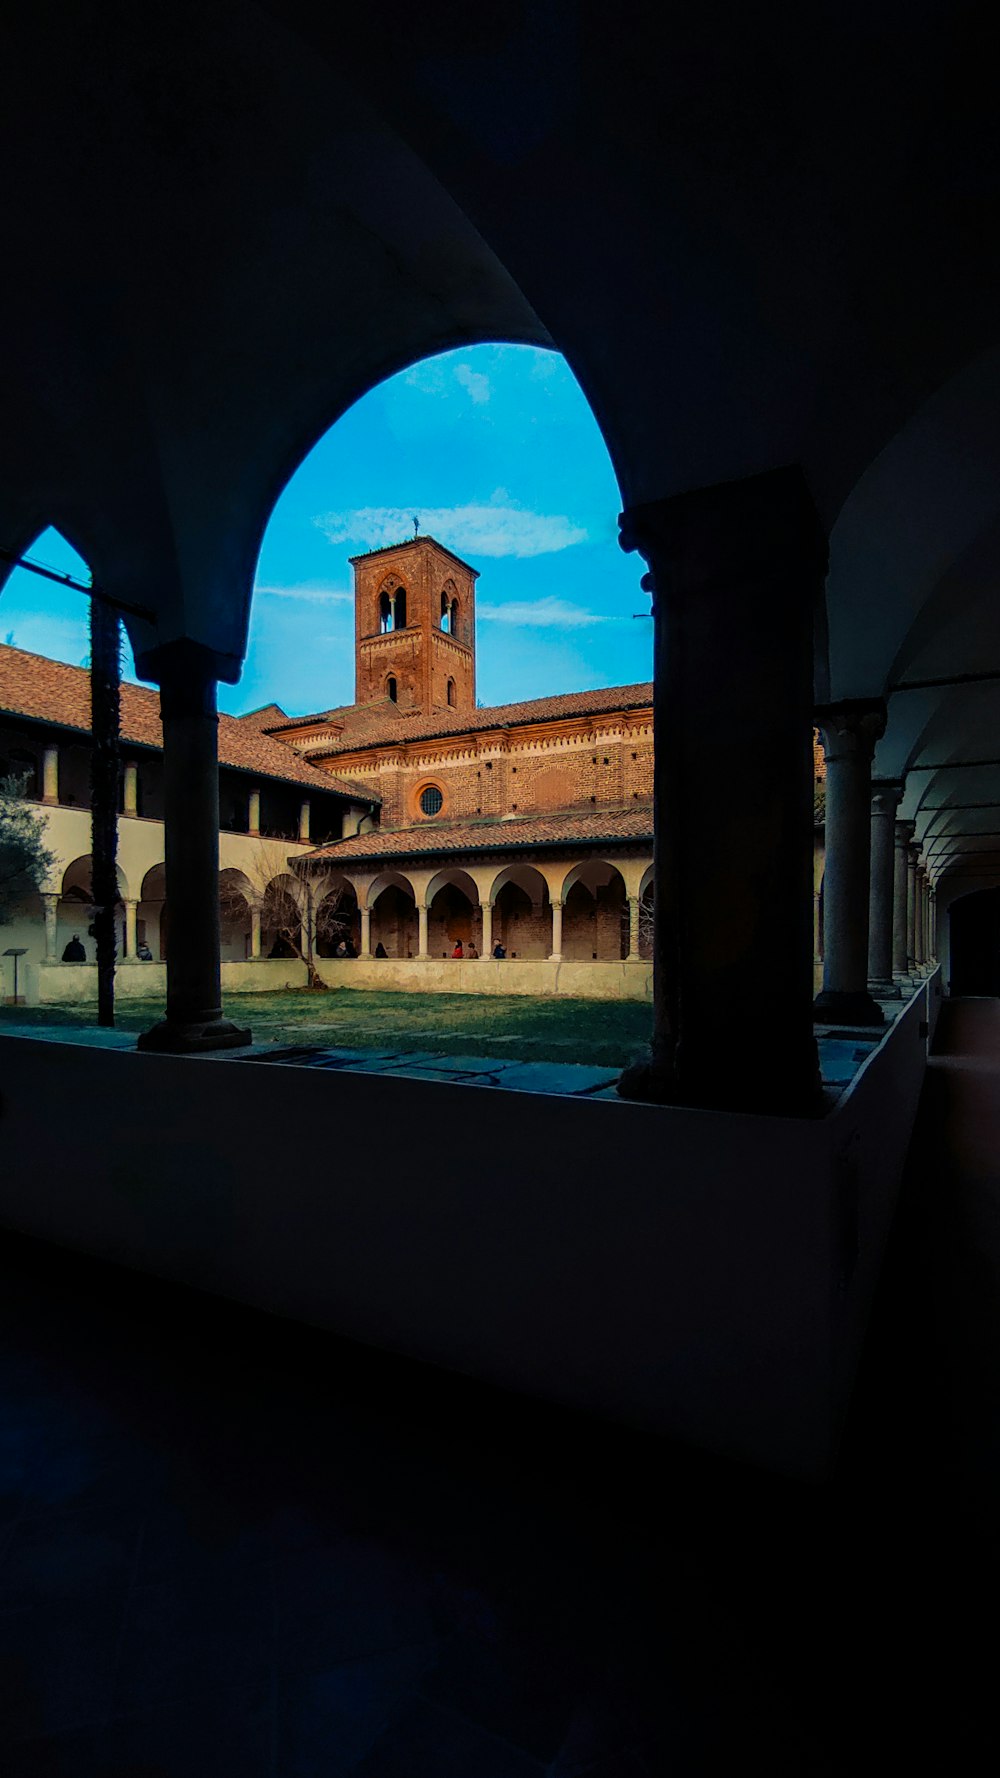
<point>497,453</point>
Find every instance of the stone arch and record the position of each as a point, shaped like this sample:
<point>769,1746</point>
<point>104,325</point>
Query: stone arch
<point>522,915</point>
<point>595,913</point>
<point>391,605</point>
<point>152,916</point>
<point>281,918</point>
<point>336,913</point>
<point>452,912</point>
<point>74,915</point>
<point>236,900</point>
<point>393,906</point>
<point>77,884</point>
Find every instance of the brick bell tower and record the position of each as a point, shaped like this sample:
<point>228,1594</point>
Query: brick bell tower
<point>415,627</point>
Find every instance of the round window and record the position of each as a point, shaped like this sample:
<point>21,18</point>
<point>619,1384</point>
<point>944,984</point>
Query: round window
<point>431,800</point>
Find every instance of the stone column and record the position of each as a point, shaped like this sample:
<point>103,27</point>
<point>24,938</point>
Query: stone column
<point>850,731</point>
<point>50,774</point>
<point>633,928</point>
<point>253,814</point>
<point>51,927</point>
<point>885,802</point>
<point>933,925</point>
<point>912,854</point>
<point>254,930</point>
<point>130,788</point>
<point>366,932</point>
<point>486,909</point>
<point>919,886</point>
<point>131,942</point>
<point>304,821</point>
<point>555,955</point>
<point>736,573</point>
<point>904,831</point>
<point>194,1021</point>
<point>421,929</point>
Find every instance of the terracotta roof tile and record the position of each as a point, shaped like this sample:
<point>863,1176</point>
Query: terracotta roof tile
<point>50,691</point>
<point>595,827</point>
<point>373,725</point>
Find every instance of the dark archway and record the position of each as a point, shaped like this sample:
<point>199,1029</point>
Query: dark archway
<point>975,943</point>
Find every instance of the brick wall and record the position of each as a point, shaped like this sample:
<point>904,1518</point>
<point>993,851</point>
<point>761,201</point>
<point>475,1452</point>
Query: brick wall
<point>536,770</point>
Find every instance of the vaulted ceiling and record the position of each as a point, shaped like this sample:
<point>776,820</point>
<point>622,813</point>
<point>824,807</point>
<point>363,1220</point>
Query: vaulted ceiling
<point>759,235</point>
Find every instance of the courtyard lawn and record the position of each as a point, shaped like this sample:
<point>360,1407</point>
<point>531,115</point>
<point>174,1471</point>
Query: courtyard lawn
<point>603,1033</point>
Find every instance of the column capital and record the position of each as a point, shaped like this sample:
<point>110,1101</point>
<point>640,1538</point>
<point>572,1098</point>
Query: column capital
<point>905,831</point>
<point>886,796</point>
<point>913,849</point>
<point>729,533</point>
<point>851,727</point>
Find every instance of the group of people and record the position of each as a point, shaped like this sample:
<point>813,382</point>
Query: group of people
<point>470,950</point>
<point>75,953</point>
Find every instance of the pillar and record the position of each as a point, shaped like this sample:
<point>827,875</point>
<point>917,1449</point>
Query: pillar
<point>912,854</point>
<point>486,909</point>
<point>902,837</point>
<point>253,814</point>
<point>633,928</point>
<point>304,821</point>
<point>254,929</point>
<point>850,731</point>
<point>194,1021</point>
<point>50,774</point>
<point>933,925</point>
<point>736,573</point>
<point>51,903</point>
<point>130,790</point>
<point>131,941</point>
<point>421,929</point>
<point>919,887</point>
<point>881,902</point>
<point>555,955</point>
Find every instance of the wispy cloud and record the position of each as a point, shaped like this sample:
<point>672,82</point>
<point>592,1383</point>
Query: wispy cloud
<point>474,382</point>
<point>497,527</point>
<point>308,594</point>
<point>542,614</point>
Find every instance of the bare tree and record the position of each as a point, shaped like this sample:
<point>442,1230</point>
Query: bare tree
<point>299,910</point>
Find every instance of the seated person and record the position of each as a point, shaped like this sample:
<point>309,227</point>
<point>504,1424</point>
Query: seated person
<point>458,951</point>
<point>74,952</point>
<point>498,950</point>
<point>380,950</point>
<point>143,952</point>
<point>472,952</point>
<point>350,948</point>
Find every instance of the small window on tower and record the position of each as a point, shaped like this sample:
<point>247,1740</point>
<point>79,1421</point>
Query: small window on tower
<point>451,691</point>
<point>392,688</point>
<point>431,800</point>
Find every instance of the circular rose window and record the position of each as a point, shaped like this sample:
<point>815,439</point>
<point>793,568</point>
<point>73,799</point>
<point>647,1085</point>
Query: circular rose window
<point>431,800</point>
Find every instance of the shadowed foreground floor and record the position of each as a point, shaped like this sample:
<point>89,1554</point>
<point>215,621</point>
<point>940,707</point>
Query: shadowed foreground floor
<point>232,1546</point>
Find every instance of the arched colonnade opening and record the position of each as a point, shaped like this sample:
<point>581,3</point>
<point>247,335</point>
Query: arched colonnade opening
<point>75,911</point>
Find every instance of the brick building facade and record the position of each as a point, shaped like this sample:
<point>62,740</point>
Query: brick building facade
<point>527,825</point>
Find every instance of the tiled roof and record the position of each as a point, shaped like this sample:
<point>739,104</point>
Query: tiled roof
<point>596,827</point>
<point>267,717</point>
<point>50,691</point>
<point>374,725</point>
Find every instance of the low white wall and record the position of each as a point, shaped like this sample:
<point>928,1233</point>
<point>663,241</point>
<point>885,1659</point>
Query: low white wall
<point>486,975</point>
<point>704,1275</point>
<point>75,984</point>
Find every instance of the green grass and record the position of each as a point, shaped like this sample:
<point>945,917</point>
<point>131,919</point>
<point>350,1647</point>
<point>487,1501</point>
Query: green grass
<point>514,1027</point>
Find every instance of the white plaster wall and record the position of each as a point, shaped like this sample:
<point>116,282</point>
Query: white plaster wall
<point>486,975</point>
<point>704,1275</point>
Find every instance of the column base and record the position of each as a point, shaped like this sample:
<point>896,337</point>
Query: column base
<point>175,1039</point>
<point>653,1080</point>
<point>832,1007</point>
<point>884,990</point>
